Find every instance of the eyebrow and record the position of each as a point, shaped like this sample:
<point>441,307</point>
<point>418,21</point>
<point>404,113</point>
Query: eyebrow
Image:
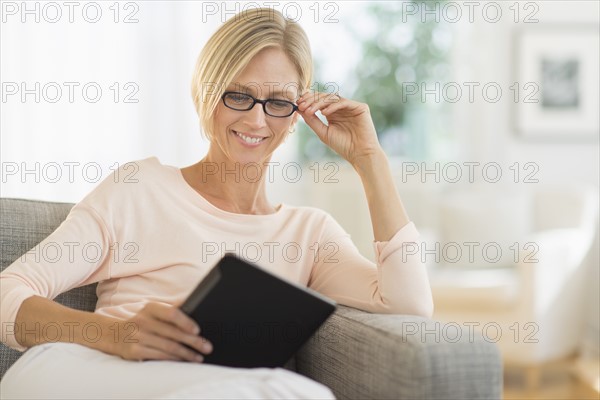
<point>252,89</point>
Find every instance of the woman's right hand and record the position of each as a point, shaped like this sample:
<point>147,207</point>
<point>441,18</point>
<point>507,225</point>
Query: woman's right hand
<point>159,332</point>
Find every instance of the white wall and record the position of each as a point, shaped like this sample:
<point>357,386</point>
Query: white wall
<point>492,132</point>
<point>156,53</point>
<point>488,132</point>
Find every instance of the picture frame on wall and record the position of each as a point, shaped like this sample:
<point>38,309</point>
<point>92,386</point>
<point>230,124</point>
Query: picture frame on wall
<point>556,85</point>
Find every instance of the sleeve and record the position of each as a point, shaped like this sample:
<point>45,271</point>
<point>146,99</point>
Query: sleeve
<point>396,284</point>
<point>75,254</point>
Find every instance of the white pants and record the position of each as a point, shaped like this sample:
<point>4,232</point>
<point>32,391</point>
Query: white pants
<point>72,371</point>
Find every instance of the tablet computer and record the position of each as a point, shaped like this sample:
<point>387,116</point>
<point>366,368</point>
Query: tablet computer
<point>252,317</point>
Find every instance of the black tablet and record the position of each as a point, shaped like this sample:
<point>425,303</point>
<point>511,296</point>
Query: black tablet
<point>252,317</point>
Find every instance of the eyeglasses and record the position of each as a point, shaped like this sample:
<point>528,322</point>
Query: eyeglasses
<point>244,102</point>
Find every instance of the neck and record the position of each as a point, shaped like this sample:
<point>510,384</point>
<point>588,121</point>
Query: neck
<point>231,186</point>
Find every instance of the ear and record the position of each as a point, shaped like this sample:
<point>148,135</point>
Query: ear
<point>294,119</point>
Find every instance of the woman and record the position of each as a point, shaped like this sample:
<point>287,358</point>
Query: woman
<point>157,230</point>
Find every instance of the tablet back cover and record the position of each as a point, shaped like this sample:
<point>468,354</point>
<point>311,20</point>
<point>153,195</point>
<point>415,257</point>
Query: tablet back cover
<point>252,317</point>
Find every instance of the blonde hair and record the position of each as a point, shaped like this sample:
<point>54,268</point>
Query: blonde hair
<point>231,48</point>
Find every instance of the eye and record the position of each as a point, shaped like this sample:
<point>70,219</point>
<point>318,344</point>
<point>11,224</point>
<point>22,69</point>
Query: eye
<point>239,97</point>
<point>279,104</point>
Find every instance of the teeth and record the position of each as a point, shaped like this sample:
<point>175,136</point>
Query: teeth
<point>248,139</point>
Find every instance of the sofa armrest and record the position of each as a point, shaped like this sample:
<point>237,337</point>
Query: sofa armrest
<point>363,355</point>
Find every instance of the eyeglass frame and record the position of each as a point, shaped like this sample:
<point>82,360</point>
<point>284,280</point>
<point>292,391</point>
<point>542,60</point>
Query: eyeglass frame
<point>262,102</point>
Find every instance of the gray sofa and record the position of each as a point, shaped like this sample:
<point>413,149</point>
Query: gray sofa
<point>355,353</point>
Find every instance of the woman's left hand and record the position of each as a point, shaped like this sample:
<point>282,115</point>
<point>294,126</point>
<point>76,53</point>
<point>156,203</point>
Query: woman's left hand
<point>350,131</point>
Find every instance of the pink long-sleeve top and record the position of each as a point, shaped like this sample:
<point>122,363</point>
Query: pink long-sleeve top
<point>145,235</point>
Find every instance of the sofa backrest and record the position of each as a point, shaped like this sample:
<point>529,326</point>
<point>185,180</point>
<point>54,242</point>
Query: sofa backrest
<point>24,224</point>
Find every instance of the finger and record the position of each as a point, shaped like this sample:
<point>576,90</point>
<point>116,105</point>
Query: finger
<point>166,330</point>
<point>310,98</point>
<point>307,95</point>
<point>175,316</point>
<point>149,347</point>
<point>315,124</point>
<point>333,98</point>
<point>331,108</point>
<point>322,102</point>
<point>172,348</point>
<point>156,354</point>
<point>304,103</point>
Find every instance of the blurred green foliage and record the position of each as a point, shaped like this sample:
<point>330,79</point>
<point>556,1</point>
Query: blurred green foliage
<point>405,49</point>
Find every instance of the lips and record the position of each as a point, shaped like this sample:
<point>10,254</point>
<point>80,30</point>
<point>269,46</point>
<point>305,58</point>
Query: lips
<point>250,139</point>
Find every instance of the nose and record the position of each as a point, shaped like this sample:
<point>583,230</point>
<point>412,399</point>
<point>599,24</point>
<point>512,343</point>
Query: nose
<point>255,118</point>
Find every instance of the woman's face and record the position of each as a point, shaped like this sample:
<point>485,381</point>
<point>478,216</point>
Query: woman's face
<point>269,75</point>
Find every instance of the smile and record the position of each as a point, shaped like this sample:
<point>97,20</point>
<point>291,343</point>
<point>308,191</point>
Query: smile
<point>248,139</point>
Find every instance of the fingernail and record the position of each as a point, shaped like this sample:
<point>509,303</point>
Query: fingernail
<point>207,347</point>
<point>196,329</point>
<point>199,358</point>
